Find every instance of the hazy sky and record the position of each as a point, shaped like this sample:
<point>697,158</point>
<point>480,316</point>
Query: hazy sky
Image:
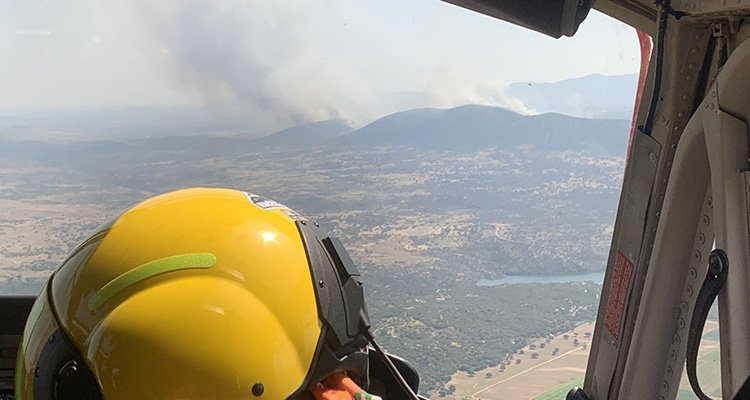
<point>285,61</point>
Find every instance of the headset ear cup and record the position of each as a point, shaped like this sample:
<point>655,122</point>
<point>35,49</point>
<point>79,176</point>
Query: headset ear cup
<point>76,382</point>
<point>61,373</point>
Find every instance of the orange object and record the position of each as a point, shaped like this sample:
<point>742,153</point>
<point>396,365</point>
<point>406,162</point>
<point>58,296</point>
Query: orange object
<point>331,388</point>
<point>339,386</point>
<point>349,384</point>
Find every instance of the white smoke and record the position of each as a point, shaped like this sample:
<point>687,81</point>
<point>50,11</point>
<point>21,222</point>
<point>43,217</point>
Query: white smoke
<point>452,86</point>
<point>259,55</point>
<point>254,54</point>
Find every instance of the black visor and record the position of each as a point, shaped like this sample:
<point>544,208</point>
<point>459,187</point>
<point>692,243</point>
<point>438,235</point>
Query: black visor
<point>341,308</point>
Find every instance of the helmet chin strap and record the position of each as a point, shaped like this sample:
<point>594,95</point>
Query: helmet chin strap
<point>391,368</point>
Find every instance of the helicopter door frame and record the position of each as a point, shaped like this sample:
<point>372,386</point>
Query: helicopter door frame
<point>707,194</point>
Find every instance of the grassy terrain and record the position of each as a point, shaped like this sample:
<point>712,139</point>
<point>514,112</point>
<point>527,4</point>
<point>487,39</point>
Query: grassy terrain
<point>709,372</point>
<point>546,366</point>
<point>712,335</point>
<point>560,391</point>
<point>712,357</point>
<point>709,366</point>
<point>685,394</point>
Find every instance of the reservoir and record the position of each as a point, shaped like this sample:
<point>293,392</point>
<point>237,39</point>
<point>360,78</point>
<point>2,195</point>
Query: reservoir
<point>596,277</point>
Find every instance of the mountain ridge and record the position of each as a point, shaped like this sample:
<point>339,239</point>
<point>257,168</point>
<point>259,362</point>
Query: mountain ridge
<point>311,134</point>
<point>474,127</point>
<point>465,128</point>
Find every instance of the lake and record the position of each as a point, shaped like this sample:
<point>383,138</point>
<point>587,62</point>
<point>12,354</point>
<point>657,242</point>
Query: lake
<point>597,277</point>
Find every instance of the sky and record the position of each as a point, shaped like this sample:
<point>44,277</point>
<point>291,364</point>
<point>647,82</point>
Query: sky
<point>286,62</point>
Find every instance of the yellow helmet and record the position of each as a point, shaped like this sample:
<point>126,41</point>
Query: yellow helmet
<point>196,294</point>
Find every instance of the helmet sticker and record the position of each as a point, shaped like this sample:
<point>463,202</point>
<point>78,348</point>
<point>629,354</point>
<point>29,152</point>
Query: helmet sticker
<point>265,203</point>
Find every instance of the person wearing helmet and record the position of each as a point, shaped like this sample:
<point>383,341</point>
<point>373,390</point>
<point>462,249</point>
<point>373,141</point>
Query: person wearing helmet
<point>206,294</point>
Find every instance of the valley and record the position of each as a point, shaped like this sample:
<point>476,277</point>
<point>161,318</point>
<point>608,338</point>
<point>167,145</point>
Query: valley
<point>424,223</point>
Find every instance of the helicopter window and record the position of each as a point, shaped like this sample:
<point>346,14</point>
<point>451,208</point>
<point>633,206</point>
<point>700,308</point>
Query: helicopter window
<point>472,168</point>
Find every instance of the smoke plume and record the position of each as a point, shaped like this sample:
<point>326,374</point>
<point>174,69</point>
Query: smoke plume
<point>252,54</point>
<point>265,57</point>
